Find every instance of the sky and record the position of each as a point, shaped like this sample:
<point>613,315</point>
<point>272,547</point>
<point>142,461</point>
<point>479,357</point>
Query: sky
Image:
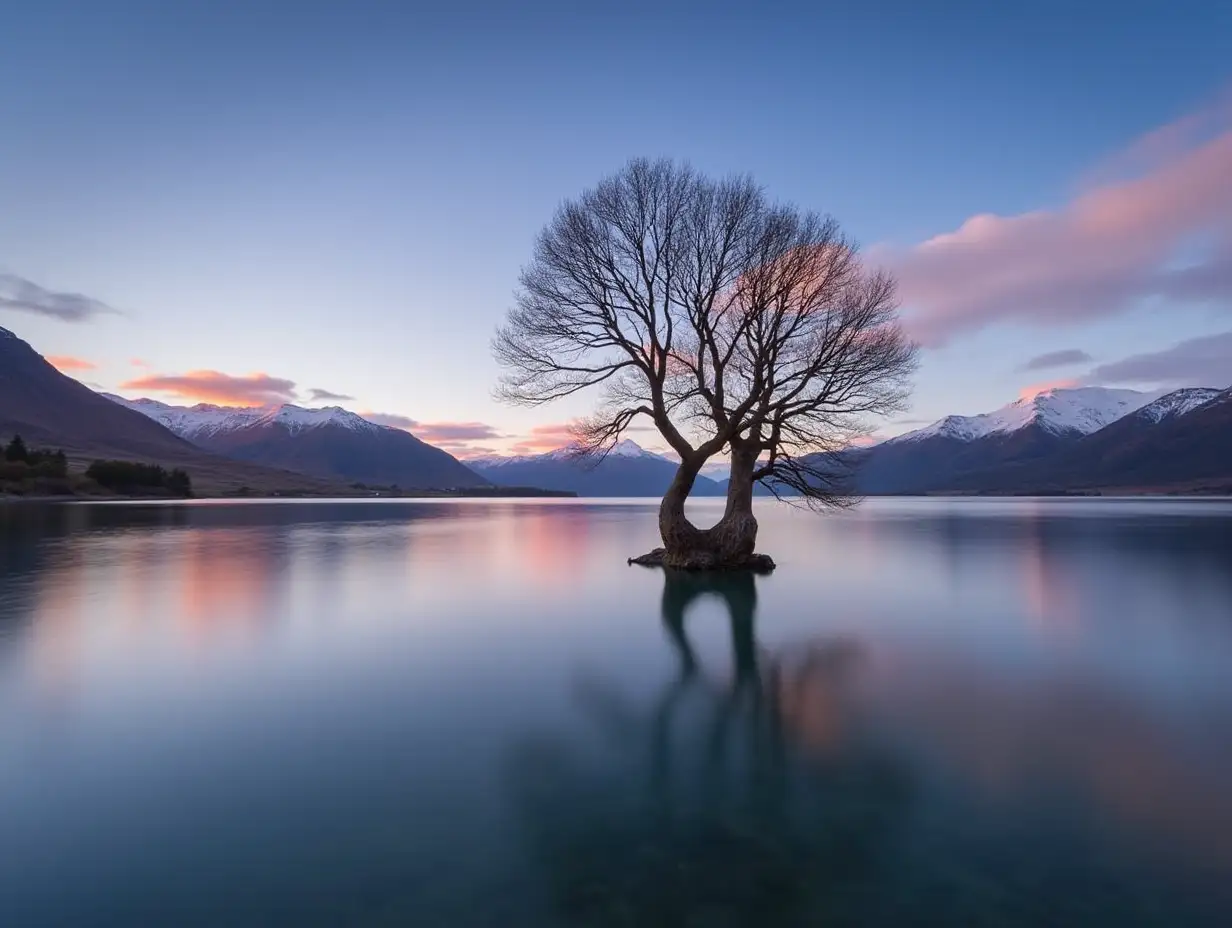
<point>330,202</point>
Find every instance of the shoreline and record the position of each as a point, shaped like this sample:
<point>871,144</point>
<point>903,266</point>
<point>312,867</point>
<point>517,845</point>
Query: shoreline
<point>31,499</point>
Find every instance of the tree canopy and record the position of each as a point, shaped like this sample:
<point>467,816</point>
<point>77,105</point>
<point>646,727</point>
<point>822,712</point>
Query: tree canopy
<point>732,323</point>
<point>723,318</point>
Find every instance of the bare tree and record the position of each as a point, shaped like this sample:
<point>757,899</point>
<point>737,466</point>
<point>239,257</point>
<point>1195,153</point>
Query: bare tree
<point>731,323</point>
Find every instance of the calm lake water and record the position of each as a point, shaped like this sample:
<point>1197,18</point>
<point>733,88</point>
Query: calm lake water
<point>971,712</point>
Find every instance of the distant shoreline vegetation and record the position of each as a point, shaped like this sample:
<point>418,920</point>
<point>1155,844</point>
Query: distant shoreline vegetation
<point>133,478</point>
<point>42,472</point>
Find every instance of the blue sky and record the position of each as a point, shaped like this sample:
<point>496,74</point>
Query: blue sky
<point>340,195</point>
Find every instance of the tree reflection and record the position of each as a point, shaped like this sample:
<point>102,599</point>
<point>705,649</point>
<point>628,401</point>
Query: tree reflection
<point>716,803</point>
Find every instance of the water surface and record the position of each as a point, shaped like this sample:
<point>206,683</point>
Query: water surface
<point>475,713</point>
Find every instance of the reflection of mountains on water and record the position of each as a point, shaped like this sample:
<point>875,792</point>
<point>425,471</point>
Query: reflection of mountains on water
<point>712,806</point>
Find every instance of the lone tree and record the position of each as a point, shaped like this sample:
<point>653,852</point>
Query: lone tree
<point>732,323</point>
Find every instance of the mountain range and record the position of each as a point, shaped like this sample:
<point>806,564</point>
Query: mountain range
<point>1080,439</point>
<point>330,443</point>
<point>47,408</point>
<point>1076,439</point>
<point>627,470</point>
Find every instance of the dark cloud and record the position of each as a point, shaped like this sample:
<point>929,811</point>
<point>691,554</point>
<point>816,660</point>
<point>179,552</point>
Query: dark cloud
<point>216,387</point>
<point>1062,358</point>
<point>317,394</point>
<point>17,293</point>
<point>1201,362</point>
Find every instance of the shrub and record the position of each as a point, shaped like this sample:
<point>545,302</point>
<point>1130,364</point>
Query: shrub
<point>129,476</point>
<point>179,483</point>
<point>48,463</point>
<point>16,450</point>
<point>14,470</point>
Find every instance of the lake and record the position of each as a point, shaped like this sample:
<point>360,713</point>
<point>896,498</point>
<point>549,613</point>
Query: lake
<point>978,712</point>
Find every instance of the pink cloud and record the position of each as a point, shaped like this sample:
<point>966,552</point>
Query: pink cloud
<point>1031,392</point>
<point>216,387</point>
<point>67,363</point>
<point>544,438</point>
<point>1097,255</point>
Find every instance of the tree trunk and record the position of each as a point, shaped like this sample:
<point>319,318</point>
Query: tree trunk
<point>729,545</point>
<point>677,532</point>
<point>735,536</point>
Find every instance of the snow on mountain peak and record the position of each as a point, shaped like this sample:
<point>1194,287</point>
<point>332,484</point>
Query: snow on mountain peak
<point>295,418</point>
<point>1177,403</point>
<point>628,448</point>
<point>1059,410</point>
<point>206,419</point>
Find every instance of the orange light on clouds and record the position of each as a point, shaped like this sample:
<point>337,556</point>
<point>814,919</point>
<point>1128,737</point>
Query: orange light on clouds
<point>206,386</point>
<point>67,363</point>
<point>1026,394</point>
<point>545,438</point>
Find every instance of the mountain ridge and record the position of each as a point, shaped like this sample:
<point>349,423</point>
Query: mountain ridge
<point>626,470</point>
<point>49,408</point>
<point>330,443</point>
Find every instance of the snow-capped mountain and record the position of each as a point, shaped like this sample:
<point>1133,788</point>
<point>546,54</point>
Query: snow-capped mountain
<point>327,442</point>
<point>965,451</point>
<point>627,470</point>
<point>1060,411</point>
<point>205,419</point>
<point>50,409</point>
<point>1178,403</point>
<point>1181,441</point>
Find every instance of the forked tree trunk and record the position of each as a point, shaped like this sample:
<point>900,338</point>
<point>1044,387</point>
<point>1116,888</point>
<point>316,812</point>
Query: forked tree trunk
<point>728,545</point>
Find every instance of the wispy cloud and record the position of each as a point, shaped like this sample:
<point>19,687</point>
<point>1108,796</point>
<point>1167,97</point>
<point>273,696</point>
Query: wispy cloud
<point>392,419</point>
<point>1202,362</point>
<point>68,364</point>
<point>456,431</point>
<point>316,395</point>
<point>216,387</point>
<point>23,295</point>
<point>463,452</point>
<point>1063,358</point>
<point>437,433</point>
<point>1164,231</point>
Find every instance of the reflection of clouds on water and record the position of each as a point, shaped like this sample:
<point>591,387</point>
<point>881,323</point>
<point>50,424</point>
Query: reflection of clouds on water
<point>1013,740</point>
<point>931,713</point>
